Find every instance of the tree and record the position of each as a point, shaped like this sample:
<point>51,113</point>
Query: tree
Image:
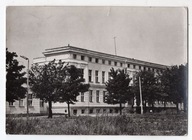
<point>46,80</point>
<point>149,87</point>
<point>118,88</point>
<point>73,85</point>
<point>14,78</point>
<point>174,84</point>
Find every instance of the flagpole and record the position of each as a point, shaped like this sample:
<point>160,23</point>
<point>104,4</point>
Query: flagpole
<point>141,101</point>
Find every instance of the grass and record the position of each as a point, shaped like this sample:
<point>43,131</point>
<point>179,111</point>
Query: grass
<point>133,124</point>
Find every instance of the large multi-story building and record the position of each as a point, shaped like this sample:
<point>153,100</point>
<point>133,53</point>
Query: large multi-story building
<point>96,67</point>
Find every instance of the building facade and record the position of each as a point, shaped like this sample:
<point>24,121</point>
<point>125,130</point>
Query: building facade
<point>96,67</point>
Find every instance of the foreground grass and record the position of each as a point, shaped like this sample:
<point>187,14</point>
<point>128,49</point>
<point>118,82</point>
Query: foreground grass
<point>148,124</point>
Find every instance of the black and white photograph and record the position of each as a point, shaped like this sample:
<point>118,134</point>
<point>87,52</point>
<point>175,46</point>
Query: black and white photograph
<point>97,70</point>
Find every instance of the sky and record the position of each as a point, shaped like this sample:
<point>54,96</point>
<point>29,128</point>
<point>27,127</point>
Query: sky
<point>154,34</point>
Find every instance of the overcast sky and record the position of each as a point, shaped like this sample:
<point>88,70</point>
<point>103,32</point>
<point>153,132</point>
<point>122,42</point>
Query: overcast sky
<point>156,35</point>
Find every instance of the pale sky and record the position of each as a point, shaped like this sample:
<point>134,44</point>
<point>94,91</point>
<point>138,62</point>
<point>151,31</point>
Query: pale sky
<point>154,34</point>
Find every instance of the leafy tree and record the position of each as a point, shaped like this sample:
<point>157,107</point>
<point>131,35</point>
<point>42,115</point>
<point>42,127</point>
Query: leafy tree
<point>174,84</point>
<point>14,78</point>
<point>149,88</point>
<point>73,85</point>
<point>46,80</point>
<point>118,88</point>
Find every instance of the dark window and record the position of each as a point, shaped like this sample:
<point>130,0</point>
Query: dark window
<point>134,66</point>
<point>96,76</point>
<point>103,77</point>
<point>109,62</point>
<point>90,96</point>
<point>75,112</point>
<point>128,65</point>
<point>111,111</point>
<point>90,75</point>
<point>103,61</point>
<point>82,111</point>
<point>90,59</point>
<point>139,67</point>
<point>96,60</point>
<point>115,63</point>
<point>21,102</point>
<point>104,110</point>
<point>82,97</point>
<point>41,103</point>
<point>10,103</point>
<point>97,96</point>
<point>116,110</point>
<point>90,111</point>
<point>121,64</point>
<point>74,56</point>
<point>104,96</point>
<point>30,99</point>
<point>82,57</point>
<point>98,111</point>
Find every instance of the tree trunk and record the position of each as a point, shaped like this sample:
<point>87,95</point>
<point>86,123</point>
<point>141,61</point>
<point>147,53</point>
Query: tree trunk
<point>152,106</point>
<point>120,107</point>
<point>177,106</point>
<point>50,109</point>
<point>68,109</point>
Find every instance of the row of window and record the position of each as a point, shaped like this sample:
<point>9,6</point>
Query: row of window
<point>97,76</point>
<point>91,96</point>
<point>133,66</point>
<point>97,111</point>
<point>21,101</point>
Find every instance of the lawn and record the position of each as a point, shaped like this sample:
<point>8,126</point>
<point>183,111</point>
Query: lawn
<point>133,124</point>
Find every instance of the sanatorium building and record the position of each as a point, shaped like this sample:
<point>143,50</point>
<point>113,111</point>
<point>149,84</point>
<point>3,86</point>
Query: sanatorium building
<point>96,67</point>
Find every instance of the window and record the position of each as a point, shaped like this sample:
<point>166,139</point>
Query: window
<point>82,57</point>
<point>11,104</point>
<point>97,96</point>
<point>103,61</point>
<point>134,66</point>
<point>30,99</point>
<point>82,111</point>
<point>90,75</point>
<point>75,112</point>
<point>96,60</point>
<point>90,96</point>
<point>103,77</point>
<point>115,63</point>
<point>90,59</point>
<point>98,111</point>
<point>90,111</point>
<point>109,62</point>
<point>82,97</point>
<point>111,111</point>
<point>116,110</point>
<point>104,96</point>
<point>74,56</point>
<point>128,65</point>
<point>121,64</point>
<point>21,102</point>
<point>104,110</point>
<point>139,67</point>
<point>41,103</point>
<point>96,76</point>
